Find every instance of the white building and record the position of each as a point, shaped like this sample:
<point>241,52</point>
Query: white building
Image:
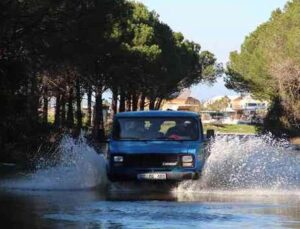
<point>241,109</point>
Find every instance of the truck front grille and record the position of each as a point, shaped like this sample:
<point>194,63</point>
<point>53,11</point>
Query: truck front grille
<point>151,160</point>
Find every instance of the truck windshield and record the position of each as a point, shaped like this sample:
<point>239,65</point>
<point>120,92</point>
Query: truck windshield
<point>163,128</point>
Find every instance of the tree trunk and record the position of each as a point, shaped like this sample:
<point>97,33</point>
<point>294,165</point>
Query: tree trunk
<point>158,104</point>
<point>142,102</point>
<point>114,102</point>
<point>98,124</point>
<point>151,103</point>
<point>45,105</point>
<point>78,105</point>
<point>70,112</point>
<point>135,100</point>
<point>63,110</point>
<point>122,102</point>
<point>128,102</point>
<point>57,110</point>
<point>34,99</point>
<point>89,103</point>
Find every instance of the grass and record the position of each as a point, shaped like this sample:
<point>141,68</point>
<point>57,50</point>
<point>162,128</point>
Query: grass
<point>296,141</point>
<point>231,128</point>
<point>221,128</point>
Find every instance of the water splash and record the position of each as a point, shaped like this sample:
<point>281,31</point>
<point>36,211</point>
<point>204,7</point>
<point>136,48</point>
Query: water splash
<point>77,166</point>
<point>234,164</point>
<point>249,163</point>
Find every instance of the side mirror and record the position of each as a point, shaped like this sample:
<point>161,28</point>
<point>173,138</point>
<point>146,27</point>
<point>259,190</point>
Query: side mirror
<point>210,133</point>
<point>106,140</point>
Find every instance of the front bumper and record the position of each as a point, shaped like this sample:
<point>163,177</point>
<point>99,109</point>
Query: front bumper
<point>170,175</point>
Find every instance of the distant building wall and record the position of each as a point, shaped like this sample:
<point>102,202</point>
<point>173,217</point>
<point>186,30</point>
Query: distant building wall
<point>243,108</point>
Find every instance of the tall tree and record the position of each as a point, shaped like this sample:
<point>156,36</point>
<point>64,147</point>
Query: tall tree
<point>268,65</point>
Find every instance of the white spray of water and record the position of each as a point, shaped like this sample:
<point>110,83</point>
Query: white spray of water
<point>234,164</point>
<point>78,167</point>
<point>251,163</point>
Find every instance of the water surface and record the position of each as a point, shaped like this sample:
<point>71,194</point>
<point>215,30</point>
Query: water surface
<point>253,183</point>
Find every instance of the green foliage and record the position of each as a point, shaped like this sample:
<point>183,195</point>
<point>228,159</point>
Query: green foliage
<point>268,63</point>
<point>64,50</point>
<point>219,105</point>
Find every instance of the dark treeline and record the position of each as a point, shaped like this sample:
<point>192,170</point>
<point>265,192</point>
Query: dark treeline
<point>67,50</point>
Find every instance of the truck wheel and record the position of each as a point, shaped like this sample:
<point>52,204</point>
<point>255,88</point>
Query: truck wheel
<point>196,176</point>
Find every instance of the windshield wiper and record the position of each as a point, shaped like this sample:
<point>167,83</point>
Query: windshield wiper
<point>130,138</point>
<point>137,139</point>
<point>163,138</point>
<point>169,139</point>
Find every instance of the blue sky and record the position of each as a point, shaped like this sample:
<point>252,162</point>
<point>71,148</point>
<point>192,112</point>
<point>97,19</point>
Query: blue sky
<point>220,26</point>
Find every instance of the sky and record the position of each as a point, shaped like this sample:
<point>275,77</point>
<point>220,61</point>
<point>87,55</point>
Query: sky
<point>219,26</point>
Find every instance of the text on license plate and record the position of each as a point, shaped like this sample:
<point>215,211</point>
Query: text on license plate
<point>152,176</point>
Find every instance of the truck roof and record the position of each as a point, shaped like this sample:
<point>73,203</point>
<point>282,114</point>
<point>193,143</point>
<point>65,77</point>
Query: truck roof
<point>157,114</point>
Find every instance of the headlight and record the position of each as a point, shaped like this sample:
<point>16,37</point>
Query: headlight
<point>187,164</point>
<point>187,161</point>
<point>187,158</point>
<point>118,159</point>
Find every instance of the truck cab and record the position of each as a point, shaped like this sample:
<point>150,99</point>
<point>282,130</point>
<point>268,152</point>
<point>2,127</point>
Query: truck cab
<point>155,145</point>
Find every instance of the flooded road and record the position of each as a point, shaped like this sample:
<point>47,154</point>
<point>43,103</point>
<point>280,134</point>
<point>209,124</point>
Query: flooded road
<point>253,183</point>
<point>89,209</point>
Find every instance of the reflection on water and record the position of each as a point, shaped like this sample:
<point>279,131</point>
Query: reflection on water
<point>113,209</point>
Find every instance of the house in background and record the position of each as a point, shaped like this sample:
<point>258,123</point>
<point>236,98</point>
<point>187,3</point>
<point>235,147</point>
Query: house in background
<point>183,102</point>
<point>239,109</point>
<point>245,107</point>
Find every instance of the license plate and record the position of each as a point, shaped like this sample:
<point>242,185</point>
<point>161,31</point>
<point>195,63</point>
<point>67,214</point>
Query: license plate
<point>152,176</point>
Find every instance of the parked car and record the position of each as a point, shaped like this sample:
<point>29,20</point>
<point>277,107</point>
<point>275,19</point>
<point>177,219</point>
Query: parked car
<point>156,145</point>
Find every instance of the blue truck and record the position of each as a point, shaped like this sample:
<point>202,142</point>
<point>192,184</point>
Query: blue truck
<point>156,145</point>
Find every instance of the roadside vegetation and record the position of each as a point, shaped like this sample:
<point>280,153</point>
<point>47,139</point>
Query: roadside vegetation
<point>268,66</point>
<point>231,128</point>
<point>72,50</point>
